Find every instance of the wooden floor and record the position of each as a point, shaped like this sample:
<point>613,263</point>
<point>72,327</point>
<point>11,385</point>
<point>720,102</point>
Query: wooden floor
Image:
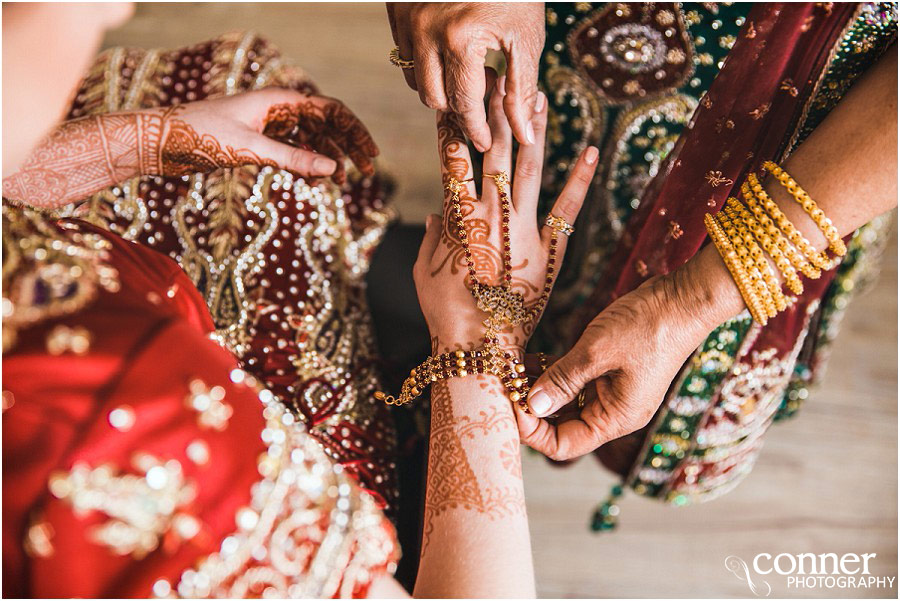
<point>826,481</point>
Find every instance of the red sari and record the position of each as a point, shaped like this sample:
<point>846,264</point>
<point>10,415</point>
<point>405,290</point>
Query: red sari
<point>138,459</point>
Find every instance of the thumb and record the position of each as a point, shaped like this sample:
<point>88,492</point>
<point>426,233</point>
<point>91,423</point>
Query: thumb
<point>430,241</point>
<point>561,383</point>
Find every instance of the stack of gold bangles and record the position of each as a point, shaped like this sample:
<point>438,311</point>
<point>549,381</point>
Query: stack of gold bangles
<point>742,231</point>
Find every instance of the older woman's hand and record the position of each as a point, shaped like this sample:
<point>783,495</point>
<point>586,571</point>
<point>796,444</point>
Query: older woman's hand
<point>626,358</point>
<point>448,42</point>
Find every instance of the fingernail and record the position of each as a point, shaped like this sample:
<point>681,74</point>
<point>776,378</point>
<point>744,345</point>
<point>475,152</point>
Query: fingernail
<point>539,403</point>
<point>324,166</point>
<point>529,133</point>
<point>501,85</point>
<point>540,102</point>
<point>590,155</point>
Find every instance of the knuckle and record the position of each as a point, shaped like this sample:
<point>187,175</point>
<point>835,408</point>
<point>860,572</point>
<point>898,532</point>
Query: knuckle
<point>464,105</point>
<point>457,34</point>
<point>298,158</point>
<point>563,380</point>
<point>433,101</point>
<point>583,175</point>
<point>567,206</point>
<point>528,167</point>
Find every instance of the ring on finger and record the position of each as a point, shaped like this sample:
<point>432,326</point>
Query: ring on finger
<point>559,224</point>
<point>394,57</point>
<point>501,179</point>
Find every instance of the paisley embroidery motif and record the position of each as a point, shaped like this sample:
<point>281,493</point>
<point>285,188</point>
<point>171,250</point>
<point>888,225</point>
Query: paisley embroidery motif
<point>629,57</point>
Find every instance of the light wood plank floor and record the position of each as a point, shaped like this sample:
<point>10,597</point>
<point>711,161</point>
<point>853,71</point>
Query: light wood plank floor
<point>826,482</point>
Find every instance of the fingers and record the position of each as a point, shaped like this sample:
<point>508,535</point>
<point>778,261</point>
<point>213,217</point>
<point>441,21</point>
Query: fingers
<point>521,92</point>
<point>571,198</point>
<point>284,156</point>
<point>568,440</point>
<point>530,163</point>
<point>455,160</point>
<point>563,380</point>
<point>499,157</point>
<point>323,123</point>
<point>465,81</point>
<point>429,74</point>
<point>398,17</point>
<point>429,243</point>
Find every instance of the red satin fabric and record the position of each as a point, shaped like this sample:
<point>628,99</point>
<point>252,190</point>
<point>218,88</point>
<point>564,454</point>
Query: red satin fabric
<point>146,346</point>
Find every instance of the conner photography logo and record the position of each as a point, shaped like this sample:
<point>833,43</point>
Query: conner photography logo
<point>808,571</point>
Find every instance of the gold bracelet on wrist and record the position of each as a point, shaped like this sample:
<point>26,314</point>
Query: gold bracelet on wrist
<point>770,280</point>
<point>744,254</point>
<point>735,268</point>
<point>784,245</point>
<point>809,205</point>
<point>744,232</point>
<point>791,279</point>
<point>818,259</point>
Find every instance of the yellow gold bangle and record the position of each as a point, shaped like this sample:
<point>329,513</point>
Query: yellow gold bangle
<point>745,253</point>
<point>819,259</point>
<point>809,205</point>
<point>781,241</point>
<point>770,280</point>
<point>791,279</point>
<point>733,264</point>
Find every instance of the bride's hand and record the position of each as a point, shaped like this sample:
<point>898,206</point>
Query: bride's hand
<point>308,135</point>
<point>441,270</point>
<point>266,127</point>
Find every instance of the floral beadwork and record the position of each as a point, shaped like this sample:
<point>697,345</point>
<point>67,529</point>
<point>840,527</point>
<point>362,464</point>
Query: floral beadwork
<point>141,507</point>
<point>308,531</point>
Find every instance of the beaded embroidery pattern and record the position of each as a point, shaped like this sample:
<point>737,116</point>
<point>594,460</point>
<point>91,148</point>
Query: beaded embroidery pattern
<point>280,263</point>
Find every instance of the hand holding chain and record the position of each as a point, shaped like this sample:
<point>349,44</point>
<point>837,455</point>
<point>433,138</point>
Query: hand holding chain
<point>505,308</point>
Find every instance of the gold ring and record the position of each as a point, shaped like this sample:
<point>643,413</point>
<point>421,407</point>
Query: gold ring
<point>501,179</point>
<point>394,57</point>
<point>580,398</point>
<point>559,224</point>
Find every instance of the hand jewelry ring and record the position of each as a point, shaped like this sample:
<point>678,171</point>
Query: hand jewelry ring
<point>394,57</point>
<point>559,224</point>
<point>580,398</point>
<point>500,179</point>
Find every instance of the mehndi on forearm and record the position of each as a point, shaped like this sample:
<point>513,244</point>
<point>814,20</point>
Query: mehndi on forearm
<point>475,533</point>
<point>84,156</point>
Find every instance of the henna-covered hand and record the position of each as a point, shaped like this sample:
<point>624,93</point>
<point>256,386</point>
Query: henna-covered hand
<point>441,269</point>
<point>309,135</point>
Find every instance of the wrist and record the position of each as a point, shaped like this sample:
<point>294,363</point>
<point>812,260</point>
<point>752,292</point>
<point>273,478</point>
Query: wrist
<point>705,291</point>
<point>444,342</point>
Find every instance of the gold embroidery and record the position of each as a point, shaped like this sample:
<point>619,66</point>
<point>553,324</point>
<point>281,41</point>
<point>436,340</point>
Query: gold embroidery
<point>715,179</point>
<point>39,539</point>
<point>49,270</point>
<point>141,508</point>
<point>308,531</point>
<point>212,411</point>
<point>63,339</point>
